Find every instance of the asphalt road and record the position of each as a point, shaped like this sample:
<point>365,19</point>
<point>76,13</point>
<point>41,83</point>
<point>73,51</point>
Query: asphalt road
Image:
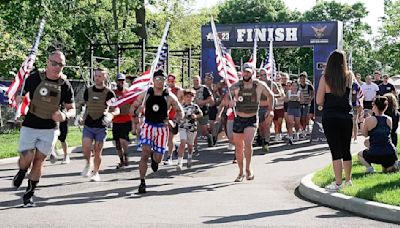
<point>202,196</point>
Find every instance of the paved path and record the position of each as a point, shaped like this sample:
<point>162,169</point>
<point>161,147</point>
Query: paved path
<point>205,195</point>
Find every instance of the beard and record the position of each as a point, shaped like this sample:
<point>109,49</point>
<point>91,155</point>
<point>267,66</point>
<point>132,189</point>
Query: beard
<point>246,79</point>
<point>120,88</point>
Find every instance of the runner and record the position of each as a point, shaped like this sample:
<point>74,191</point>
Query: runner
<point>96,121</point>
<point>306,95</point>
<point>294,112</point>
<point>122,125</point>
<point>154,131</point>
<point>247,93</point>
<point>47,90</point>
<point>279,112</point>
<point>188,127</point>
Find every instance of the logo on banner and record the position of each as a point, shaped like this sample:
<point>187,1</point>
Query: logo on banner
<point>319,31</point>
<point>224,36</point>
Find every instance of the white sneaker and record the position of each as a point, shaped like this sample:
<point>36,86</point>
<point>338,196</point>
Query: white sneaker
<point>168,162</point>
<point>66,160</point>
<point>347,183</point>
<point>95,177</point>
<point>278,137</point>
<point>86,171</point>
<point>370,170</point>
<point>231,146</point>
<point>296,137</point>
<point>333,187</point>
<point>179,167</point>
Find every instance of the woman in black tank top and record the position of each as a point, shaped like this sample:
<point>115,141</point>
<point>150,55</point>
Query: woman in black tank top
<point>333,99</point>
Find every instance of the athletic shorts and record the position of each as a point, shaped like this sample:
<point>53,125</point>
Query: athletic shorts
<point>121,130</point>
<point>261,114</point>
<point>187,135</point>
<point>154,135</point>
<point>63,131</point>
<point>296,112</point>
<point>96,134</point>
<point>212,113</point>
<point>43,140</point>
<point>241,123</point>
<point>304,110</point>
<point>285,106</point>
<point>279,113</point>
<point>367,104</point>
<point>386,160</point>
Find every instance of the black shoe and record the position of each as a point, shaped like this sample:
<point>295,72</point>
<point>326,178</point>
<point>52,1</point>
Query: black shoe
<point>27,199</point>
<point>214,140</point>
<point>29,203</point>
<point>154,164</point>
<point>209,140</point>
<point>142,188</point>
<point>18,178</point>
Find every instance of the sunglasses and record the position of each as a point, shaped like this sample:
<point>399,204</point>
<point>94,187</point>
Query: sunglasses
<point>55,63</point>
<point>159,79</point>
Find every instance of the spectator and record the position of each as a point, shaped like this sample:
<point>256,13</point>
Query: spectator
<point>333,98</point>
<point>370,90</point>
<point>380,149</point>
<point>386,87</point>
<point>377,78</point>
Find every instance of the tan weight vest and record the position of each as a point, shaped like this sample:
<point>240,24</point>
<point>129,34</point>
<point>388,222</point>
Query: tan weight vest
<point>46,98</point>
<point>96,104</point>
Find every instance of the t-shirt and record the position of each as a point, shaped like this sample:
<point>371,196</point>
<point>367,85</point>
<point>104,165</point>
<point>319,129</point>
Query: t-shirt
<point>88,120</point>
<point>31,83</point>
<point>388,88</point>
<point>187,122</point>
<point>370,91</point>
<point>377,82</point>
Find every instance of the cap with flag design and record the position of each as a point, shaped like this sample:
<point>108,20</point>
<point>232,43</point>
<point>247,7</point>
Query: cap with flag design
<point>120,76</point>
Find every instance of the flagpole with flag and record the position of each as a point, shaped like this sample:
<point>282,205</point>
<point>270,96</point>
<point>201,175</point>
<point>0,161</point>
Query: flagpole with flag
<point>253,59</point>
<point>221,59</point>
<point>23,73</point>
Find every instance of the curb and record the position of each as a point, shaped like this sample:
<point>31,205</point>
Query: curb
<point>75,149</point>
<point>369,209</point>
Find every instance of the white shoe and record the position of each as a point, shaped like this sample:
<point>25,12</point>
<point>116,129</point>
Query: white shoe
<point>66,160</point>
<point>179,167</point>
<point>168,162</point>
<point>95,177</point>
<point>370,170</point>
<point>347,184</point>
<point>333,187</point>
<point>278,137</point>
<point>296,137</point>
<point>231,146</point>
<point>86,171</point>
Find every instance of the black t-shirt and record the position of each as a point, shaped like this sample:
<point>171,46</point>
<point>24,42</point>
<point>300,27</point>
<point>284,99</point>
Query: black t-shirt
<point>31,83</point>
<point>388,88</point>
<point>378,82</point>
<point>99,122</point>
<point>206,93</point>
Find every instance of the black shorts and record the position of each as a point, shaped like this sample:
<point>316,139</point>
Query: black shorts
<point>121,130</point>
<point>285,106</point>
<point>367,104</point>
<point>386,160</point>
<point>212,113</point>
<point>63,131</point>
<point>241,123</point>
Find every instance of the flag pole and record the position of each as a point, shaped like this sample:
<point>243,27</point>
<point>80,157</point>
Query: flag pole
<point>32,52</point>
<point>217,49</point>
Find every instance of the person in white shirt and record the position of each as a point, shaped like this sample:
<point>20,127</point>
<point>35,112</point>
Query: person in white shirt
<point>370,91</point>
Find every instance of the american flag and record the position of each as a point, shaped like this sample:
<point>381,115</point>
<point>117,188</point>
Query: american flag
<point>269,62</point>
<point>24,72</point>
<point>225,65</point>
<point>142,83</point>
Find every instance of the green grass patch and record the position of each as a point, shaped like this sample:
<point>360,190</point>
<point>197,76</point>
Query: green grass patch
<point>9,141</point>
<point>379,187</point>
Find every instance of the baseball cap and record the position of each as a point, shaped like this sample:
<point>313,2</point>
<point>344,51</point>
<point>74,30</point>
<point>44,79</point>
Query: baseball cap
<point>303,74</point>
<point>120,76</point>
<point>209,75</point>
<point>159,73</point>
<point>248,67</point>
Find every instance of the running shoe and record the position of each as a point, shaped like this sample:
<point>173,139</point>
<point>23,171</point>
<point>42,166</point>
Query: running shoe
<point>168,161</point>
<point>28,203</point>
<point>66,160</point>
<point>95,177</point>
<point>370,170</point>
<point>53,158</point>
<point>189,163</point>
<point>231,146</point>
<point>154,164</point>
<point>333,187</point>
<point>266,148</point>
<point>209,140</point>
<point>86,171</point>
<point>18,178</point>
<point>179,167</point>
<point>120,166</point>
<point>142,188</point>
<point>296,137</point>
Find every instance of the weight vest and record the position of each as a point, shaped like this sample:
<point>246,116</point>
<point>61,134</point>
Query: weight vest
<point>156,107</point>
<point>96,104</point>
<point>46,98</point>
<point>123,109</point>
<point>247,101</point>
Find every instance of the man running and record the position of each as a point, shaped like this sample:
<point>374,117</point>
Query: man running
<point>306,95</point>
<point>247,93</point>
<point>122,125</point>
<point>47,90</point>
<point>154,131</point>
<point>98,117</point>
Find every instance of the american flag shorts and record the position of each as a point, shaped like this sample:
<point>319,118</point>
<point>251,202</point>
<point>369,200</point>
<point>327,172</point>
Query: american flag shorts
<point>154,135</point>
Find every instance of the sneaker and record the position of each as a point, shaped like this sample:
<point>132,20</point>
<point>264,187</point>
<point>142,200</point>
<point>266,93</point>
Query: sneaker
<point>231,146</point>
<point>370,170</point>
<point>347,183</point>
<point>18,178</point>
<point>266,148</point>
<point>53,158</point>
<point>168,162</point>
<point>196,152</point>
<point>66,160</point>
<point>142,188</point>
<point>189,163</point>
<point>86,171</point>
<point>290,142</point>
<point>28,203</point>
<point>179,167</point>
<point>139,148</point>
<point>296,137</point>
<point>120,166</point>
<point>154,164</point>
<point>333,187</point>
<point>209,140</point>
<point>95,177</point>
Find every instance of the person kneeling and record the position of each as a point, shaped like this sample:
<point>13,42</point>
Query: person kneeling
<point>380,148</point>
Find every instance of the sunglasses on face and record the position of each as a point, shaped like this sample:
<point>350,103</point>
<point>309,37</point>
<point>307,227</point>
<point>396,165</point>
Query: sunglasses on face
<point>55,63</point>
<point>159,79</point>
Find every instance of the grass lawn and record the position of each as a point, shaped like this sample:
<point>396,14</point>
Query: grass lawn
<point>9,142</point>
<point>380,187</point>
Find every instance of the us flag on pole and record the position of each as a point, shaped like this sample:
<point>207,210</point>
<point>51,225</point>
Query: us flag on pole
<point>225,65</point>
<point>269,62</point>
<point>23,73</point>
